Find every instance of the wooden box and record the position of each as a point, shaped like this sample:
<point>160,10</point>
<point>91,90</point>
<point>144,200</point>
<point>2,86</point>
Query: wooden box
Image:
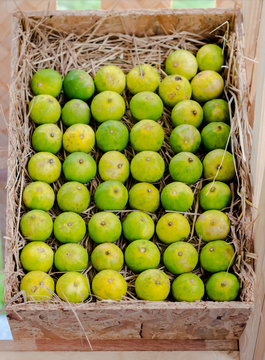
<point>122,325</point>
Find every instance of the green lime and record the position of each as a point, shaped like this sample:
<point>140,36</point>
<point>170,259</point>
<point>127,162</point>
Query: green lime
<point>217,256</point>
<point>173,89</point>
<point>207,85</point>
<point>44,166</point>
<point>37,285</point>
<point>36,225</point>
<point>36,256</point>
<point>73,196</point>
<point>188,287</point>
<point>210,57</point>
<point>104,227</point>
<point>71,257</point>
<point>69,227</point>
<point>146,105</point>
<point>215,136</point>
<point>144,196</point>
<point>107,105</point>
<point>143,78</point>
<point>216,110</point>
<point>78,84</point>
<point>185,138</point>
<point>110,77</point>
<point>46,81</point>
<point>113,165</point>
<point>38,195</point>
<point>185,167</point>
<point>219,165</point>
<point>73,287</point>
<point>111,195</point>
<point>112,135</point>
<point>147,135</point>
<point>80,167</point>
<point>215,196</point>
<point>44,109</point>
<point>172,227</point>
<point>177,196</point>
<point>181,62</point>
<point>141,255</point>
<point>47,138</point>
<point>107,256</point>
<point>79,137</point>
<point>212,225</point>
<point>138,225</point>
<point>222,286</point>
<point>180,257</point>
<point>187,112</point>
<point>75,111</point>
<point>109,284</point>
<point>147,166</point>
<point>153,285</point>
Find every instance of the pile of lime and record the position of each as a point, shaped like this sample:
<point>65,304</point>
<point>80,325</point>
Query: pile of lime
<point>122,206</point>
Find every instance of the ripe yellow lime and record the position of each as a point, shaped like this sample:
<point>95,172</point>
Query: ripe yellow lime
<point>216,110</point>
<point>44,166</point>
<point>38,286</point>
<point>112,135</point>
<point>47,137</point>
<point>173,89</point>
<point>73,196</point>
<point>172,227</point>
<point>111,195</point>
<point>38,195</point>
<point>80,167</point>
<point>110,77</point>
<point>69,227</point>
<point>36,256</point>
<point>104,227</point>
<point>144,196</point>
<point>212,225</point>
<point>143,78</point>
<point>71,257</point>
<point>146,105</point>
<point>147,166</point>
<point>218,164</point>
<point>180,257</point>
<point>222,286</point>
<point>73,287</point>
<point>207,85</point>
<point>75,111</point>
<point>46,81</point>
<point>210,57</point>
<point>181,62</point>
<point>188,287</point>
<point>217,256</point>
<point>107,105</point>
<point>177,196</point>
<point>107,256</point>
<point>185,138</point>
<point>78,84</point>
<point>215,195</point>
<point>187,112</point>
<point>79,137</point>
<point>142,255</point>
<point>36,225</point>
<point>185,167</point>
<point>215,136</point>
<point>138,225</point>
<point>109,284</point>
<point>153,285</point>
<point>44,109</point>
<point>147,135</point>
<point>113,165</point>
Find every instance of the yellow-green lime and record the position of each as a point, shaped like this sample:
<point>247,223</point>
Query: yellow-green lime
<point>44,166</point>
<point>75,111</point>
<point>113,165</point>
<point>215,195</point>
<point>172,227</point>
<point>147,135</point>
<point>180,257</point>
<point>181,62</point>
<point>216,110</point>
<point>112,135</point>
<point>177,196</point>
<point>38,195</point>
<point>104,227</point>
<point>187,112</point>
<point>46,81</point>
<point>146,105</point>
<point>215,136</point>
<point>36,225</point>
<point>217,256</point>
<point>79,137</point>
<point>142,255</point>
<point>144,196</point>
<point>152,285</point>
<point>73,196</point>
<point>188,287</point>
<point>185,138</point>
<point>212,225</point>
<point>218,164</point>
<point>38,286</point>
<point>138,225</point>
<point>143,78</point>
<point>69,227</point>
<point>107,256</point>
<point>210,57</point>
<point>47,138</point>
<point>222,286</point>
<point>111,195</point>
<point>71,257</point>
<point>173,89</point>
<point>147,166</point>
<point>78,84</point>
<point>44,109</point>
<point>36,256</point>
<point>107,105</point>
<point>185,167</point>
<point>80,167</point>
<point>207,85</point>
<point>109,285</point>
<point>110,77</point>
<point>73,287</point>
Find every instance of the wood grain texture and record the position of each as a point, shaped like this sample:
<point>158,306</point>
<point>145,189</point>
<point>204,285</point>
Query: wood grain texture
<point>135,4</point>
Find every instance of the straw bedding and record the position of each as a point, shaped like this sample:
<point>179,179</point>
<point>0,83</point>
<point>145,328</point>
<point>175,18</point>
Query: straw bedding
<point>44,47</point>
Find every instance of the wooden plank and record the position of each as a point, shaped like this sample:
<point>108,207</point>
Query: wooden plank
<point>135,4</point>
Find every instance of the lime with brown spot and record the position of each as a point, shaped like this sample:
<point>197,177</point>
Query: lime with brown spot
<point>172,227</point>
<point>152,285</point>
<point>177,196</point>
<point>143,78</point>
<point>38,195</point>
<point>144,196</point>
<point>110,77</point>
<point>73,287</point>
<point>138,225</point>
<point>147,135</point>
<point>75,111</point>
<point>216,110</point>
<point>146,105</point>
<point>181,62</point>
<point>210,57</point>
<point>180,257</point>
<point>217,256</point>
<point>215,136</point>
<point>109,285</point>
<point>207,85</point>
<point>173,89</point>
<point>187,112</point>
<point>147,166</point>
<point>104,227</point>
<point>185,167</point>
<point>79,137</point>
<point>73,196</point>
<point>113,165</point>
<point>215,196</point>
<point>37,256</point>
<point>80,167</point>
<point>78,84</point>
<point>222,286</point>
<point>46,81</point>
<point>185,138</point>
<point>36,225</point>
<point>111,195</point>
<point>212,225</point>
<point>69,227</point>
<point>44,166</point>
<point>71,257</point>
<point>47,138</point>
<point>107,256</point>
<point>188,287</point>
<point>142,255</point>
<point>38,286</point>
<point>44,109</point>
<point>107,105</point>
<point>112,135</point>
<point>218,164</point>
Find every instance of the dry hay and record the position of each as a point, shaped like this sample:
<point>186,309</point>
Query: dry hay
<point>44,47</point>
